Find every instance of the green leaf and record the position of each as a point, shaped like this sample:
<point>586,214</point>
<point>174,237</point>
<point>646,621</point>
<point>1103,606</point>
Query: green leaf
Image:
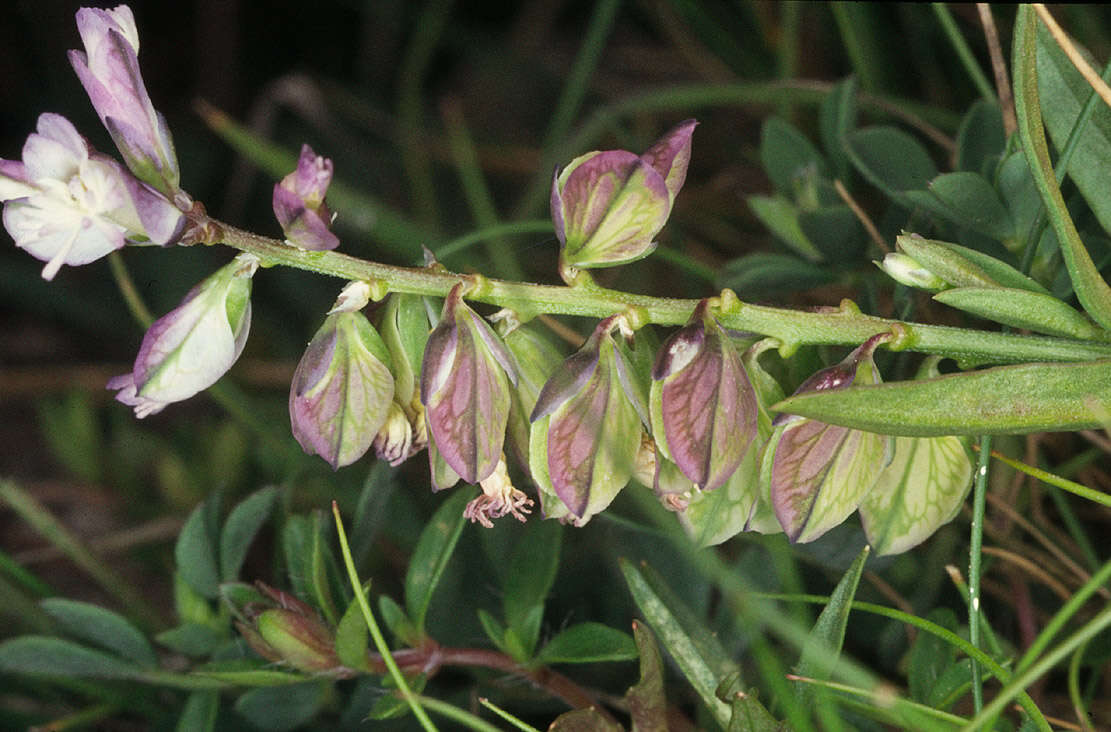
<point>282,708</point>
<point>494,630</point>
<point>247,672</point>
<point>431,556</point>
<point>835,231</point>
<point>242,524</point>
<point>195,551</point>
<point>647,704</point>
<point>1092,291</point>
<point>766,274</point>
<point>70,428</point>
<point>199,712</point>
<point>1023,309</point>
<point>583,720</point>
<point>370,511</point>
<point>930,656</point>
<point>192,639</point>
<point>890,159</point>
<point>588,643</point>
<point>532,570</point>
<point>322,570</point>
<point>1019,399</point>
<point>781,217</point>
<point>954,682</point>
<point>102,627</point>
<point>397,621</point>
<point>836,118</point>
<point>192,606</point>
<point>749,715</point>
<point>919,491</point>
<point>296,546</point>
<point>786,153</point>
<point>994,269</point>
<point>972,202</point>
<point>702,673</point>
<point>1062,93</point>
<point>351,638</point>
<point>981,139</point>
<point>36,654</point>
<point>823,644</point>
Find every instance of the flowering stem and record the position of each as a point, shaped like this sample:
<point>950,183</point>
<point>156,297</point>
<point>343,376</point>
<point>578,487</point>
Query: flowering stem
<point>975,558</point>
<point>845,325</point>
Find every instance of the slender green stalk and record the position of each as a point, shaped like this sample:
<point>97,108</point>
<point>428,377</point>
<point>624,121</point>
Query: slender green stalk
<point>857,43</point>
<point>590,53</point>
<point>78,720</point>
<point>463,243</point>
<point>126,285</point>
<point>1063,615</point>
<point>975,559</point>
<point>878,700</point>
<point>26,579</point>
<point>989,635</point>
<point>964,53</point>
<point>411,699</point>
<point>42,521</point>
<point>1055,480</point>
<point>455,714</point>
<point>793,328</point>
<point>1073,526</point>
<point>1023,680</point>
<point>519,724</point>
<point>477,193</point>
<point>1074,688</point>
<point>429,28</point>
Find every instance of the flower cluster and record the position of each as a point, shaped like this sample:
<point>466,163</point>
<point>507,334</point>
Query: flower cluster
<point>691,417</point>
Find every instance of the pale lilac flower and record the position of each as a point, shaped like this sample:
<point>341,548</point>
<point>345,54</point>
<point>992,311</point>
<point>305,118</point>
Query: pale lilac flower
<point>189,348</point>
<point>299,203</point>
<point>608,206</point>
<point>67,204</point>
<point>109,71</point>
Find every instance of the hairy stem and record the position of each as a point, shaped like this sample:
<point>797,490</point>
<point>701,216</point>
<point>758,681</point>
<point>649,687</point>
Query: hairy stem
<point>844,325</point>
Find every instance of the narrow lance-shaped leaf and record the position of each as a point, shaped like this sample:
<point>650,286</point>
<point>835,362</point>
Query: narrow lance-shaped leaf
<point>1091,289</point>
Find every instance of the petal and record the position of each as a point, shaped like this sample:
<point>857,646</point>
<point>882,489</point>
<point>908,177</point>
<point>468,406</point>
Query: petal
<point>588,190</point>
<point>671,155</point>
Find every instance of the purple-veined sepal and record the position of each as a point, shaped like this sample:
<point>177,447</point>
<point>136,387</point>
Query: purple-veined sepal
<point>536,357</point>
<point>608,206</point>
<point>817,474</point>
<point>189,348</point>
<point>586,427</point>
<point>465,378</point>
<point>702,404</point>
<point>921,489</point>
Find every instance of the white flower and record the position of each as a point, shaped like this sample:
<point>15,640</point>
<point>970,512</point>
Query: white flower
<point>67,204</point>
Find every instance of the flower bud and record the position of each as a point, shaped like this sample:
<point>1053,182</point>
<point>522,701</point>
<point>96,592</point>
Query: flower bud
<point>465,377</point>
<point>816,473</point>
<point>342,390</point>
<point>907,271</point>
<point>291,633</point>
<point>299,203</point>
<point>586,426</point>
<point>608,206</point>
<point>942,261</point>
<point>703,406</point>
<point>109,71</point>
<point>189,348</point>
<point>65,203</point>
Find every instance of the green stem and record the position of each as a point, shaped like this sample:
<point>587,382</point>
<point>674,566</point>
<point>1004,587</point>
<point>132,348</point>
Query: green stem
<point>964,53</point>
<point>462,243</point>
<point>519,724</point>
<point>1055,480</point>
<point>411,699</point>
<point>131,296</point>
<point>40,519</point>
<point>1074,688</point>
<point>875,697</point>
<point>975,562</point>
<point>1022,680</point>
<point>455,714</point>
<point>793,328</point>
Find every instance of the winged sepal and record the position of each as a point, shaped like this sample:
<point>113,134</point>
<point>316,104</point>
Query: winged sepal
<point>702,403</point>
<point>342,390</point>
<point>537,358</point>
<point>586,430</point>
<point>609,205</point>
<point>465,379</point>
<point>817,474</point>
